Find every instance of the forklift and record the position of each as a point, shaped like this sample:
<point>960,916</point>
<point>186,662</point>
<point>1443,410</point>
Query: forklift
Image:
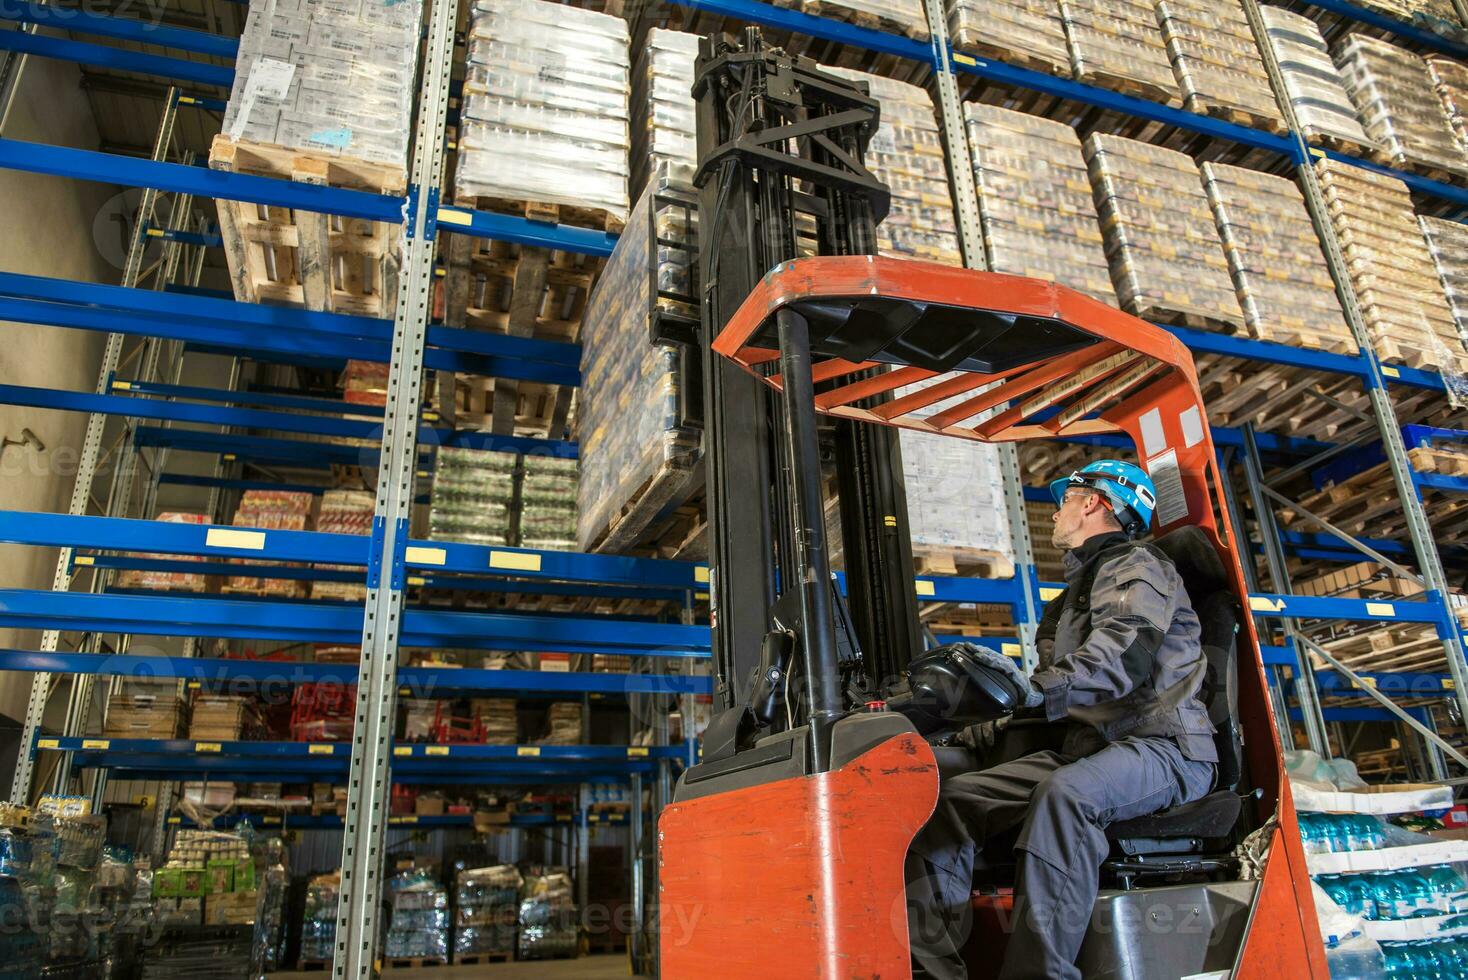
<point>782,852</point>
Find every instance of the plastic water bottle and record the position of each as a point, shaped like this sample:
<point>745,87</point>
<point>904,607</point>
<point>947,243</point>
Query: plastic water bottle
<point>1310,833</point>
<point>1451,889</point>
<point>1402,895</point>
<point>1367,833</point>
<point>1362,895</point>
<point>1421,896</point>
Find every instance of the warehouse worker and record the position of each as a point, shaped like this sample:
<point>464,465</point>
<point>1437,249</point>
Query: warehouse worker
<point>1121,667</point>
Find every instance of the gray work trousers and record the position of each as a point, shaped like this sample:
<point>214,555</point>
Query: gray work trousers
<point>1065,800</point>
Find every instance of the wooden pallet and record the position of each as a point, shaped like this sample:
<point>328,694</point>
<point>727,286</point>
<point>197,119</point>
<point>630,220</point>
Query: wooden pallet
<point>646,510</point>
<point>304,258</point>
<point>1331,343</point>
<point>308,966</point>
<point>478,959</point>
<point>1426,459</point>
<point>1237,115</point>
<point>523,291</point>
<point>413,963</point>
<point>977,44</point>
<point>863,18</point>
<point>1340,144</point>
<point>1107,79</point>
<point>1177,315</point>
<point>968,562</point>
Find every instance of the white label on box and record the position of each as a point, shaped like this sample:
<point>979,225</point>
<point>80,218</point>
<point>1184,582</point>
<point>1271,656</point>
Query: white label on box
<point>269,79</point>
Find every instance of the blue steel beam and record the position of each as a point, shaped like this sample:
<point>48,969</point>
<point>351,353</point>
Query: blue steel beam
<point>203,102</point>
<point>267,399</point>
<point>183,566</point>
<point>1395,685</point>
<point>1428,610</point>
<point>118,59</point>
<point>122,28</point>
<point>1364,714</point>
<point>184,237</point>
<point>821,27</point>
<point>222,483</point>
<point>522,231</point>
<point>1424,185</point>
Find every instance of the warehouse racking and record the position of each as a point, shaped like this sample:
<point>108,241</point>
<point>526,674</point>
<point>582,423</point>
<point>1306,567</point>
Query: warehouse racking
<point>390,563</point>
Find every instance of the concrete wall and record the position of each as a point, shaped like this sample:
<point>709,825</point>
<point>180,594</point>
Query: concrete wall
<point>60,228</point>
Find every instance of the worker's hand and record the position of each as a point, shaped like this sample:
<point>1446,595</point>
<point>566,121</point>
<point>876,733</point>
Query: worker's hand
<point>1006,666</point>
<point>981,737</point>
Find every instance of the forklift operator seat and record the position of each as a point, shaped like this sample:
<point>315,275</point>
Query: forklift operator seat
<point>1188,829</point>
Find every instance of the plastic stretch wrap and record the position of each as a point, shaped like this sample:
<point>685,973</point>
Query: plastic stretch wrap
<point>1398,104</point>
<point>899,16</point>
<point>548,920</point>
<point>1279,272</point>
<point>906,154</point>
<point>1450,79</point>
<point>662,100</point>
<point>545,106</point>
<point>1448,243</point>
<point>1311,79</point>
<point>1117,44</point>
<point>472,492</point>
<point>1217,62</point>
<point>1166,257</point>
<point>1029,33</point>
<point>486,905</point>
<point>548,504</point>
<point>318,927</point>
<point>955,494</point>
<point>1035,200</point>
<point>1396,281</point>
<point>629,433</point>
<point>333,77</point>
<point>418,926</point>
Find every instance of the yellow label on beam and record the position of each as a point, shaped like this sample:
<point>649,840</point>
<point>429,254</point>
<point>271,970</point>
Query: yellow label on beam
<point>1380,609</point>
<point>401,750</point>
<point>48,743</point>
<point>122,386</point>
<point>435,750</point>
<point>1317,152</point>
<point>229,457</point>
<point>527,750</point>
<point>1048,592</point>
<point>401,820</point>
<point>701,574</point>
<point>95,743</point>
<point>593,818</point>
<point>924,587</point>
<point>85,560</point>
<point>453,216</point>
<point>425,556</point>
<point>963,59</point>
<point>175,820</point>
<point>430,416</point>
<point>321,749</point>
<point>1260,603</point>
<point>270,821</point>
<point>155,232</point>
<point>1449,684</point>
<point>1390,371</point>
<point>207,747</point>
<point>889,521</point>
<point>194,685</point>
<point>1368,682</point>
<point>636,751</point>
<point>228,537</point>
<point>416,580</point>
<point>563,818</point>
<point>1010,649</point>
<point>700,595</point>
<point>514,560</point>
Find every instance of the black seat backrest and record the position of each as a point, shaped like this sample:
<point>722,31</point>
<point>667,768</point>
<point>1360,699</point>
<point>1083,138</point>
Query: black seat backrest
<point>1219,612</point>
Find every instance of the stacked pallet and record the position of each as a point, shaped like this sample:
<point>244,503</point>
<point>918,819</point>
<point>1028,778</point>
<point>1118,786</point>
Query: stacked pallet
<point>904,17</point>
<point>548,504</point>
<point>323,94</point>
<point>1450,79</point>
<point>1392,270</point>
<point>1448,243</point>
<point>1323,110</point>
<point>272,510</point>
<point>663,131</point>
<point>486,906</point>
<point>1117,44</point>
<point>1027,33</point>
<point>472,496</point>
<point>635,457</point>
<point>497,719</point>
<point>1167,262</point>
<point>223,718</point>
<point>563,724</point>
<point>343,512</point>
<point>1035,204</point>
<point>135,578</point>
<point>1399,107</point>
<point>1279,272</point>
<point>1217,62</point>
<point>145,713</point>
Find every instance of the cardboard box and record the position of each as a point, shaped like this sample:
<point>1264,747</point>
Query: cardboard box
<point>429,805</point>
<point>234,909</point>
<point>220,877</point>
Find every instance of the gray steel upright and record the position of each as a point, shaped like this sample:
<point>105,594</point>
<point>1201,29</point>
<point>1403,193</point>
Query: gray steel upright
<point>369,778</point>
<point>971,240</point>
<point>1428,561</point>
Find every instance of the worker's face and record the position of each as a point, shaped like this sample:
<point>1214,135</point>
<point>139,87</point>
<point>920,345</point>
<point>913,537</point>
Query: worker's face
<point>1071,517</point>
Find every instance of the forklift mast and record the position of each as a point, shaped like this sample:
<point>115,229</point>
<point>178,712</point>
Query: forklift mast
<point>781,175</point>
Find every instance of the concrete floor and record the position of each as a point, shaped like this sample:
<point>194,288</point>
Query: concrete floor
<point>606,967</point>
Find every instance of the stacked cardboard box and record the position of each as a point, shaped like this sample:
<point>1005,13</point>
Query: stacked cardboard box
<point>1448,243</point>
<point>144,713</point>
<point>1396,281</point>
<point>333,78</point>
<point>548,504</point>
<point>906,154</point>
<point>633,450</point>
<point>1398,104</point>
<point>544,114</point>
<point>343,512</point>
<point>471,498</point>
<point>1117,44</point>
<point>1167,262</point>
<point>662,105</point>
<point>364,383</point>
<point>498,718</point>
<point>1035,201</point>
<point>1312,82</point>
<point>895,16</point>
<point>1279,272</point>
<point>1450,79</point>
<point>563,722</point>
<point>1217,62</point>
<point>222,717</point>
<point>175,581</point>
<point>1028,33</point>
<point>272,510</point>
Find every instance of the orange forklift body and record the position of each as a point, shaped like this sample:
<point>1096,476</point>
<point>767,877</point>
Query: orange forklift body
<point>803,877</point>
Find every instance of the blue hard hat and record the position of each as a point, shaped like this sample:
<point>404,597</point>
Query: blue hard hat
<point>1125,486</point>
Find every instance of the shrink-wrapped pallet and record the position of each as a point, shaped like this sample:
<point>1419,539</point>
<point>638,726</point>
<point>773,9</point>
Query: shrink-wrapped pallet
<point>1167,261</point>
<point>472,493</point>
<point>1450,79</point>
<point>1279,272</point>
<point>544,115</point>
<point>1027,33</point>
<point>1117,44</point>
<point>1035,201</point>
<point>956,514</point>
<point>904,17</point>
<point>548,504</point>
<point>1217,63</point>
<point>328,79</point>
<point>418,925</point>
<point>486,905</point>
<point>1448,243</point>
<point>662,104</point>
<point>1395,279</point>
<point>549,927</point>
<point>634,453</point>
<point>906,154</point>
<point>1323,109</point>
<point>1398,105</point>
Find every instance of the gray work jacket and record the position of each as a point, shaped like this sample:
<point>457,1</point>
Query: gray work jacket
<point>1130,661</point>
